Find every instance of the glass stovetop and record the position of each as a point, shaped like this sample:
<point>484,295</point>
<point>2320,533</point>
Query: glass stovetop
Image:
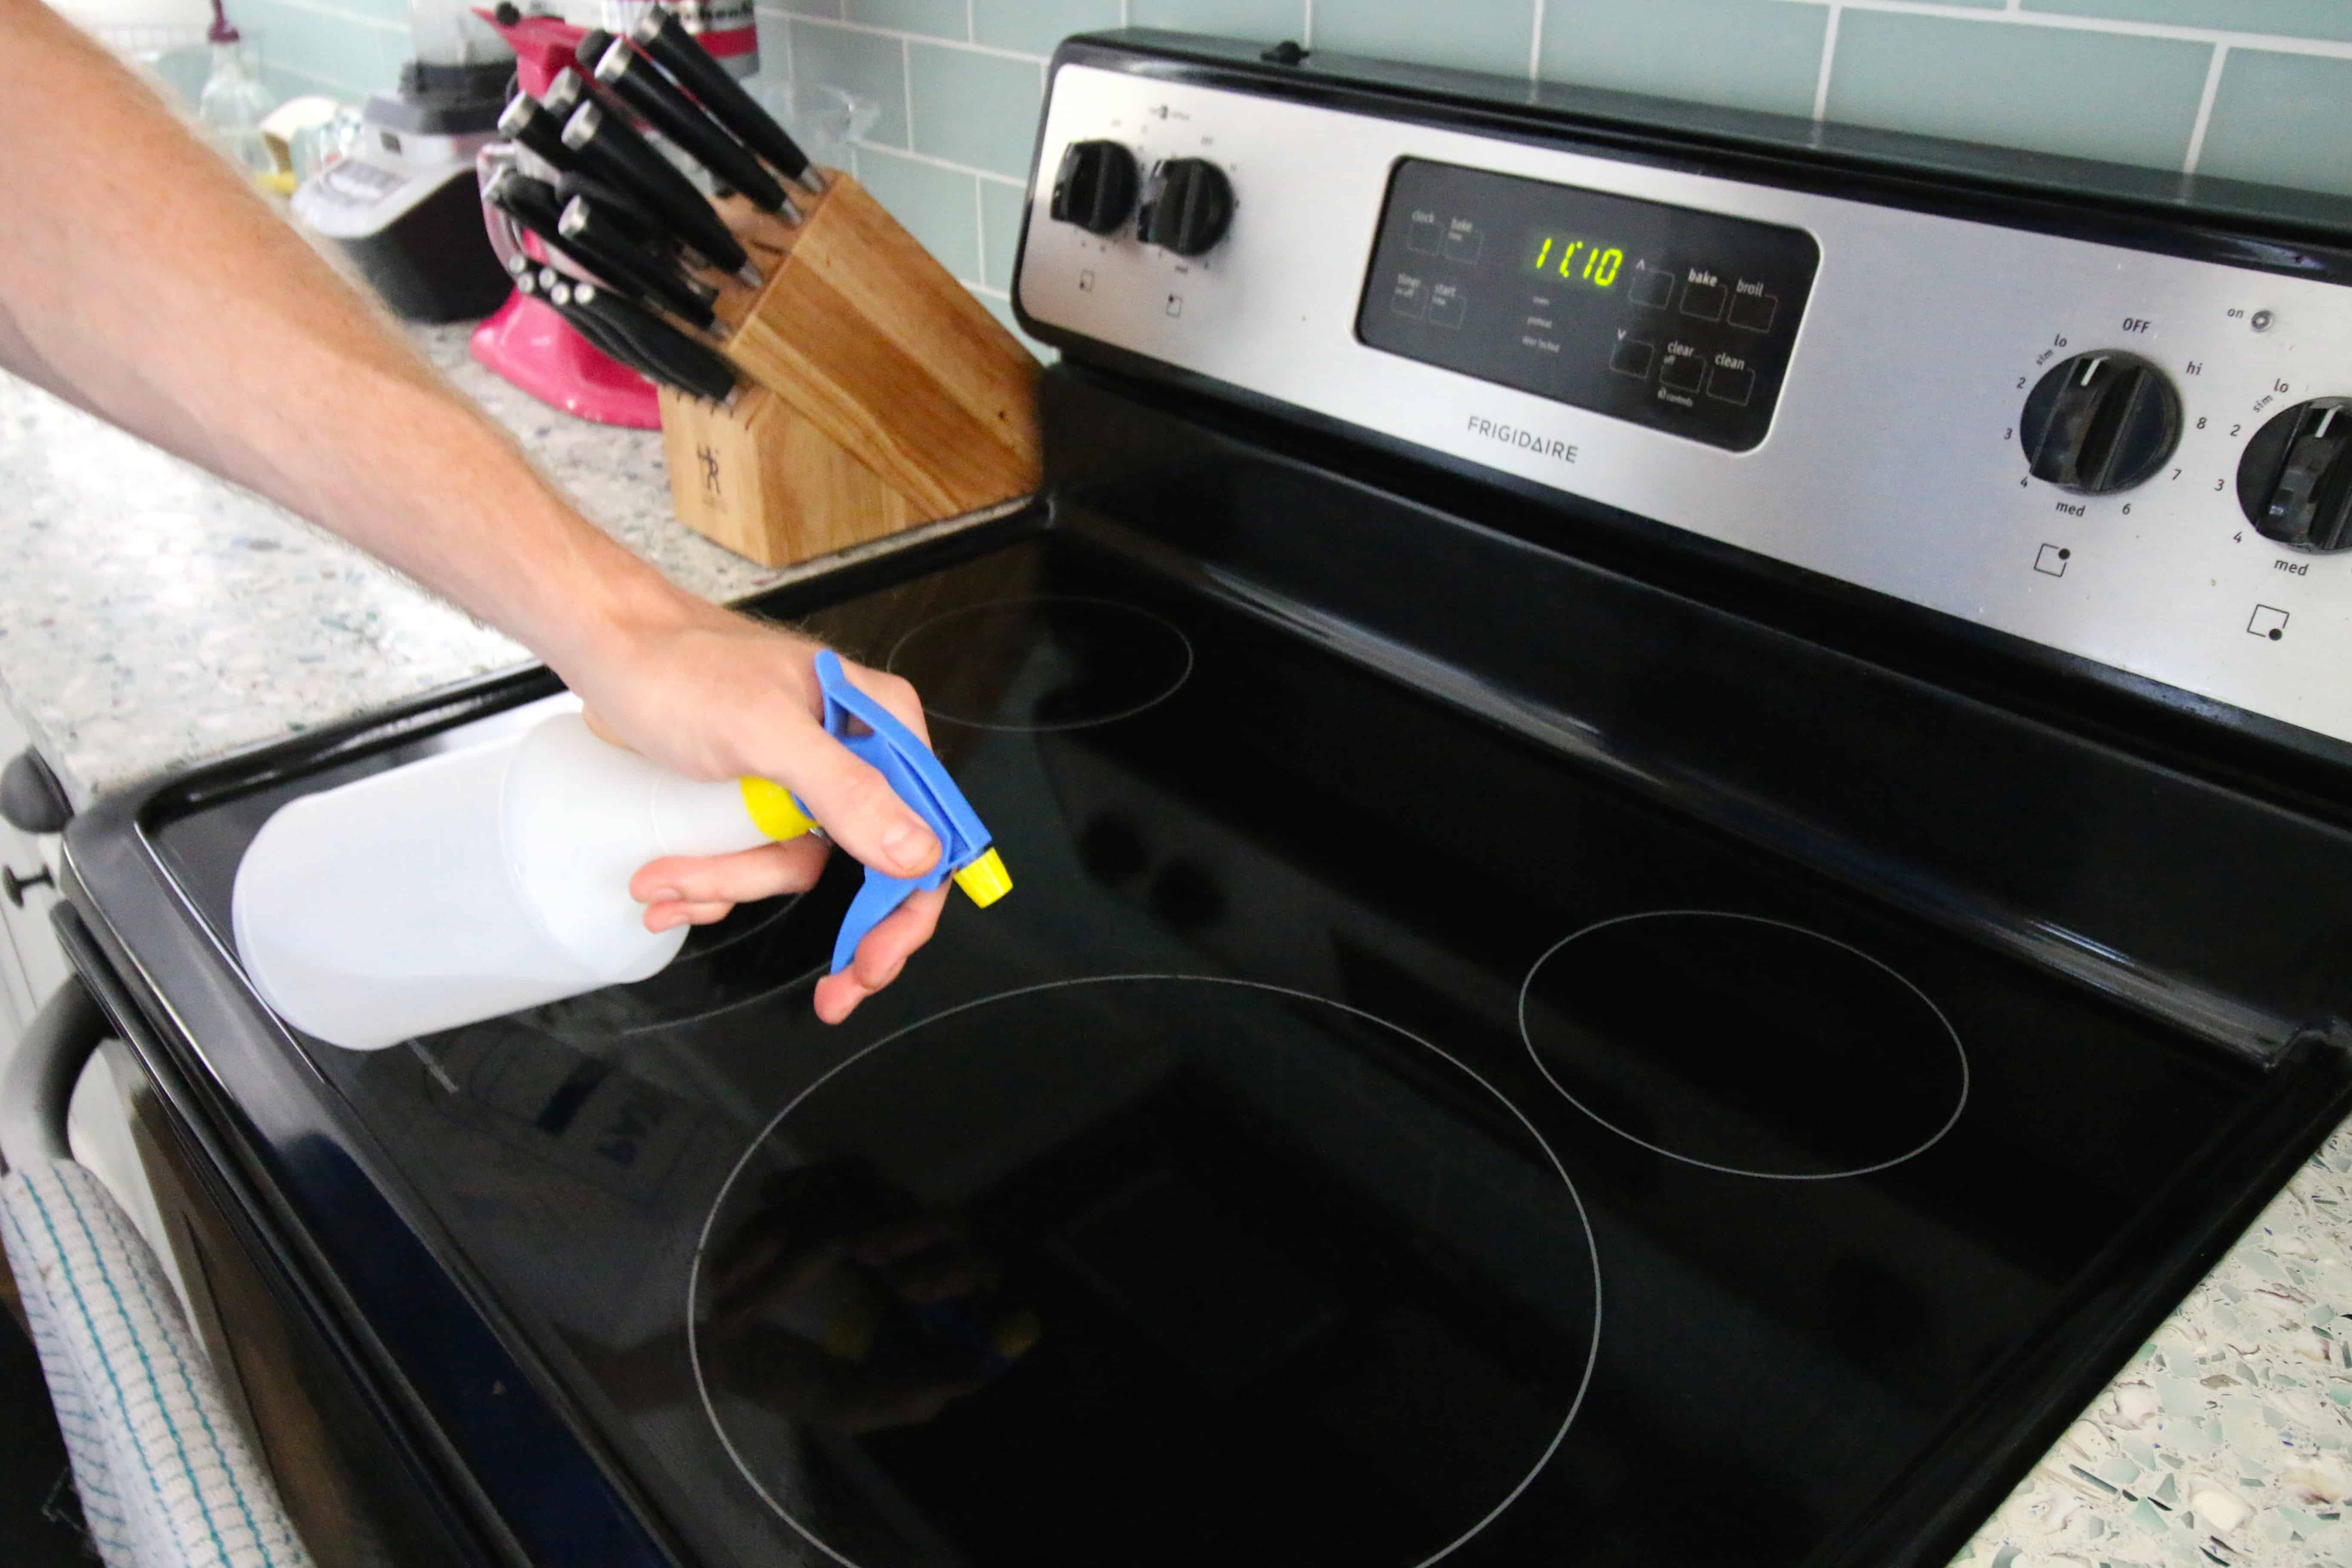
<point>1361,1139</point>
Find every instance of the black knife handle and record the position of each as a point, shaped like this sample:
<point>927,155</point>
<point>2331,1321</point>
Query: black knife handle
<point>651,95</point>
<point>694,366</point>
<point>610,151</point>
<point>590,48</point>
<point>534,204</point>
<point>608,254</point>
<point>604,339</point>
<point>527,120</point>
<point>618,211</point>
<point>663,36</point>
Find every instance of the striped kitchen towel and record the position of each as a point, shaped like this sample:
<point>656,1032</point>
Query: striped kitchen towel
<point>166,1478</point>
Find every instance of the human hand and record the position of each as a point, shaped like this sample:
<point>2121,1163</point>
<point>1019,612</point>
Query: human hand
<point>712,694</point>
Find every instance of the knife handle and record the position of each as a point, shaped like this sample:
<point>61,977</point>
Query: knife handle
<point>527,120</point>
<point>694,366</point>
<point>535,204</point>
<point>609,150</point>
<point>607,342</point>
<point>610,255</point>
<point>619,213</point>
<point>652,96</point>
<point>665,38</point>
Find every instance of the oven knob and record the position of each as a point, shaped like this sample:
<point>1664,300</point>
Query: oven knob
<point>2294,483</point>
<point>2100,422</point>
<point>1188,207</point>
<point>1095,187</point>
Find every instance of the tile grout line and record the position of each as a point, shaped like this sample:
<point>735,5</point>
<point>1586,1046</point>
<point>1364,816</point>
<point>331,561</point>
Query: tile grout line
<point>2060,21</point>
<point>1535,45</point>
<point>972,22</point>
<point>936,40</point>
<point>936,162</point>
<point>1829,54</point>
<point>2205,108</point>
<point>907,85</point>
<point>1306,27</point>
<point>980,229</point>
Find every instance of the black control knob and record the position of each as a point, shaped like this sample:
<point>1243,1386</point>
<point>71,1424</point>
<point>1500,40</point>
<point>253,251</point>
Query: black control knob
<point>1189,206</point>
<point>2099,423</point>
<point>2294,482</point>
<point>1095,186</point>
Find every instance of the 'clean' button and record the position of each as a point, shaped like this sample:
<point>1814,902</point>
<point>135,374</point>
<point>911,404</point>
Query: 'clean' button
<point>1730,384</point>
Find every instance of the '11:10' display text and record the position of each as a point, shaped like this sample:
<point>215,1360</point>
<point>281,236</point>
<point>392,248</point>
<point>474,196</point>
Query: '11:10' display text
<point>1575,260</point>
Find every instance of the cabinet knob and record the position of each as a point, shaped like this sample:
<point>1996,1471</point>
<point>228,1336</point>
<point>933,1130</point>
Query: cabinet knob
<point>12,886</point>
<point>31,799</point>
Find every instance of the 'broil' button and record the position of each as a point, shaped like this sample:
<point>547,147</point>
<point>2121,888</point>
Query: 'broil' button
<point>1752,310</point>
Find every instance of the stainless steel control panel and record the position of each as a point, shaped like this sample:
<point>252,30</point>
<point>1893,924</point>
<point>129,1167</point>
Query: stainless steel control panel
<point>1898,457</point>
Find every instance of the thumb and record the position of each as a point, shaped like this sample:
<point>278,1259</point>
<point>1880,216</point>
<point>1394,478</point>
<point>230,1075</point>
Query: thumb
<point>854,804</point>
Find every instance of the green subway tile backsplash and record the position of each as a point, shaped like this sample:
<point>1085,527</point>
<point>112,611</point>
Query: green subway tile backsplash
<point>1262,21</point>
<point>2281,119</point>
<point>2087,94</point>
<point>1035,27</point>
<point>932,18</point>
<point>870,65</point>
<point>2285,18</point>
<point>1000,206</point>
<point>956,82</point>
<point>1752,54</point>
<point>975,109</point>
<point>940,207</point>
<point>1474,35</point>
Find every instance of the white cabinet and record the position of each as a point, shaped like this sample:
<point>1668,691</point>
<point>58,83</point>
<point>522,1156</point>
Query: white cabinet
<point>32,965</point>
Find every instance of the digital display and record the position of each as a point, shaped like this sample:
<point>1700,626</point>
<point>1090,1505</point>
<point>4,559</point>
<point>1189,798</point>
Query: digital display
<point>1667,316</point>
<point>1574,259</point>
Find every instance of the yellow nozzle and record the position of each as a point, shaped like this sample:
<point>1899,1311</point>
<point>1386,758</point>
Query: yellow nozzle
<point>985,880</point>
<point>773,811</point>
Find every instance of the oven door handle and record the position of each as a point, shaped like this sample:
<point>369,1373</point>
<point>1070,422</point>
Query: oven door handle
<point>37,1089</point>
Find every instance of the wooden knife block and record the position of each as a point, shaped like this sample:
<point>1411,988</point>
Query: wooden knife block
<point>881,395</point>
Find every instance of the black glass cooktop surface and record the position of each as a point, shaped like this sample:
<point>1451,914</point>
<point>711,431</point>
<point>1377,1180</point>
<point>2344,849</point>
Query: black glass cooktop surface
<point>1362,1139</point>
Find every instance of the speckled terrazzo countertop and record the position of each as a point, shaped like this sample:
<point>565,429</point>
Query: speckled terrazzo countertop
<point>151,615</point>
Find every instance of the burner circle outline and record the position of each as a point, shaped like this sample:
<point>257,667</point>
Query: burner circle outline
<point>1024,601</point>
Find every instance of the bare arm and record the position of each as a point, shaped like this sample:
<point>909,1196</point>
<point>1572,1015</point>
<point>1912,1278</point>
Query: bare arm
<point>142,279</point>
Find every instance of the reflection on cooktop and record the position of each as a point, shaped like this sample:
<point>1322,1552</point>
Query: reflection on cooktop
<point>1043,662</point>
<point>1146,1270</point>
<point>1743,1044</point>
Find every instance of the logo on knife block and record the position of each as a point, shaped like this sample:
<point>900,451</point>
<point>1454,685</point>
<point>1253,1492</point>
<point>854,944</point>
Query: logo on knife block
<point>710,461</point>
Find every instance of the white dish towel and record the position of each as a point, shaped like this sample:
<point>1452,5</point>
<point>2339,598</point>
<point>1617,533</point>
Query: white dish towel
<point>166,1478</point>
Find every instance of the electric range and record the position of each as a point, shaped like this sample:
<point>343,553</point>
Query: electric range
<point>1665,894</point>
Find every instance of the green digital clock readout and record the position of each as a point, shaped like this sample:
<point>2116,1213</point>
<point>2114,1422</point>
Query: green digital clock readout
<point>1573,259</point>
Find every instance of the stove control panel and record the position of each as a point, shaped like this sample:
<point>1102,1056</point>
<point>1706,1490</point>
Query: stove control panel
<point>2137,459</point>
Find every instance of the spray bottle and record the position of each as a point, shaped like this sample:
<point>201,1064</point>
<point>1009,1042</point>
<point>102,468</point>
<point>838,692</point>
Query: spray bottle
<point>480,881</point>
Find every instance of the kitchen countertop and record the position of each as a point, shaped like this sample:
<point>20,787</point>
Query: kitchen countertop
<point>151,616</point>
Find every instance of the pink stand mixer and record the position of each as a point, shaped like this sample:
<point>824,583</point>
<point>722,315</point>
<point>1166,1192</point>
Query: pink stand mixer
<point>526,342</point>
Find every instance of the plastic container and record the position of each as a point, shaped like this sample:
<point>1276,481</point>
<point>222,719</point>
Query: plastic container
<point>468,885</point>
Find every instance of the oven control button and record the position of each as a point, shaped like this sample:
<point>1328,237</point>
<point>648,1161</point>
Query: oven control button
<point>2294,482</point>
<point>1188,206</point>
<point>1095,187</point>
<point>2100,422</point>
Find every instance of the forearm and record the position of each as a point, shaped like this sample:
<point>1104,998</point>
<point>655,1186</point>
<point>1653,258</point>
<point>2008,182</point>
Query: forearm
<point>140,277</point>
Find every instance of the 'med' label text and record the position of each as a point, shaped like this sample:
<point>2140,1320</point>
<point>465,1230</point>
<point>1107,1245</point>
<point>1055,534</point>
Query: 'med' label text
<point>1526,440</point>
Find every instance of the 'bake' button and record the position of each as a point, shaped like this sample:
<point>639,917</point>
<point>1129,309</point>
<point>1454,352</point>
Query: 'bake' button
<point>1731,384</point>
<point>1632,357</point>
<point>1702,298</point>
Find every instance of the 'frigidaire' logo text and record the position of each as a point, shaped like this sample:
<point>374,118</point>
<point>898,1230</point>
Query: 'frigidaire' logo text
<point>1526,440</point>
